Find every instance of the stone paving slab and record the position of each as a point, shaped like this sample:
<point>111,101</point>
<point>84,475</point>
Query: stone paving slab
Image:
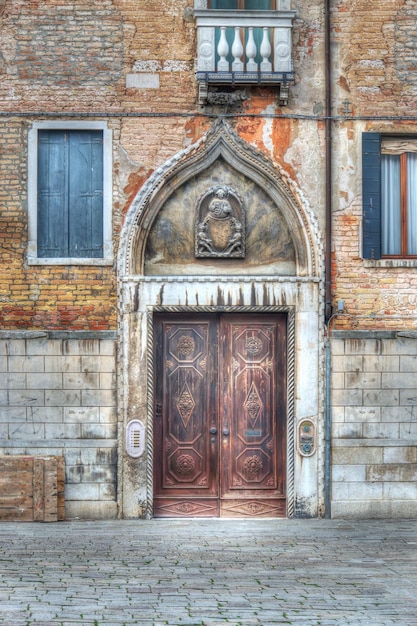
<point>209,573</point>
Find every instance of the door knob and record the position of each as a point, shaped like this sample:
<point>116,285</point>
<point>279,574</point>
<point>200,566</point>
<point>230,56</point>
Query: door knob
<point>225,431</point>
<point>213,431</point>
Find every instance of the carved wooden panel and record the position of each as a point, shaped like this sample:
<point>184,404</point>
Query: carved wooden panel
<point>220,419</point>
<point>186,456</point>
<point>253,406</point>
<point>186,507</point>
<point>253,508</point>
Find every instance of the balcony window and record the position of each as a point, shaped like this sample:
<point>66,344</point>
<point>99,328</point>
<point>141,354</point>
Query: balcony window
<point>257,33</point>
<point>246,5</point>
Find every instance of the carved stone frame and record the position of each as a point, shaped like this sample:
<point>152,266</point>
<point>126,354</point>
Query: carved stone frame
<point>220,141</point>
<point>299,295</point>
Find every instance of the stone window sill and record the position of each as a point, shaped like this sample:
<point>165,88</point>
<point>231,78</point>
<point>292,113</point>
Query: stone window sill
<point>390,263</point>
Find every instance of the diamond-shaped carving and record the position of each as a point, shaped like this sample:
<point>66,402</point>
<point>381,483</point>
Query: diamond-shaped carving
<point>253,404</point>
<point>255,508</point>
<point>185,404</point>
<point>186,508</point>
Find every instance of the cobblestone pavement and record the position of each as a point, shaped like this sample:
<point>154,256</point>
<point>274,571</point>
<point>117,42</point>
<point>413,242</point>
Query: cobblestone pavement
<point>209,572</point>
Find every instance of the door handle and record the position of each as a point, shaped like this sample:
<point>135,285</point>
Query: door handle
<point>226,431</point>
<point>213,431</point>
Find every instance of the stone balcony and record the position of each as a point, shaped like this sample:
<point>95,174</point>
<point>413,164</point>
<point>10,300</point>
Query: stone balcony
<point>239,48</point>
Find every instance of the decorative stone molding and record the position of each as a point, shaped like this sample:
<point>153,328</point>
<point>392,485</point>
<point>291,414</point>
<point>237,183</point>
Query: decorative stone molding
<point>299,295</point>
<point>222,98</point>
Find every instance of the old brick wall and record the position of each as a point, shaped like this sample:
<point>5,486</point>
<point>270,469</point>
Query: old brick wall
<point>374,50</point>
<point>53,297</point>
<point>373,366</point>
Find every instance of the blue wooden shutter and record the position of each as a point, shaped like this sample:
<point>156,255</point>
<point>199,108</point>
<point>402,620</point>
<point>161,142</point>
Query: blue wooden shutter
<point>52,194</point>
<point>371,195</point>
<point>70,193</point>
<point>86,194</point>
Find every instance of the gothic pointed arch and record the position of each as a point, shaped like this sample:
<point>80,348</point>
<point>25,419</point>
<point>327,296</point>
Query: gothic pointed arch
<point>220,148</point>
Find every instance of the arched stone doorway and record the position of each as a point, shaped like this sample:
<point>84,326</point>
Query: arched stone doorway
<point>218,232</point>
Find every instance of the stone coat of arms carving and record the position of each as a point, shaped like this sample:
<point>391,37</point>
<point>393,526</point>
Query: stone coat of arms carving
<point>220,224</point>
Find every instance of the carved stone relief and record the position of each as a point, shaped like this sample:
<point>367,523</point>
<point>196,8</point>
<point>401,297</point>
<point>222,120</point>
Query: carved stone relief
<point>220,224</point>
<point>267,244</point>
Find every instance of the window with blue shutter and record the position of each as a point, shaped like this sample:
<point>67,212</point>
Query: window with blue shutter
<point>70,194</point>
<point>389,195</point>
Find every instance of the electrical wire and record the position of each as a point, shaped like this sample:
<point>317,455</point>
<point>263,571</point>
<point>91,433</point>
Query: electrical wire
<point>191,114</point>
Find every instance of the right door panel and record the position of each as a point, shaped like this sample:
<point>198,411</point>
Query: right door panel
<point>252,368</point>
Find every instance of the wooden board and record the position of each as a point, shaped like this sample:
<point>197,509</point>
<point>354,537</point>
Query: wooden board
<point>32,488</point>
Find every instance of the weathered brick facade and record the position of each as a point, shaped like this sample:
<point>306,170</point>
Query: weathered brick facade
<point>67,329</point>
<point>377,82</point>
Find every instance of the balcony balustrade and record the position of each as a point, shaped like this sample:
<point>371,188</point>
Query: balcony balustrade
<point>240,48</point>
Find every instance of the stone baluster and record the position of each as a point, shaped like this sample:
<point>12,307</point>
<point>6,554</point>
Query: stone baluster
<point>223,51</point>
<point>237,51</point>
<point>251,65</point>
<point>266,65</point>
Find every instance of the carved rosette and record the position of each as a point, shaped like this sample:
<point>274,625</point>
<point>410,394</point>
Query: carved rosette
<point>185,464</point>
<point>253,346</point>
<point>220,224</point>
<point>253,465</point>
<point>186,346</point>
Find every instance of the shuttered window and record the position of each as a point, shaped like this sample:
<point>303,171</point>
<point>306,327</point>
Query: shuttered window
<point>70,194</point>
<point>389,180</point>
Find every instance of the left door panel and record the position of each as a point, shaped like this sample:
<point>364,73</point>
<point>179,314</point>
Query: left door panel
<point>186,458</point>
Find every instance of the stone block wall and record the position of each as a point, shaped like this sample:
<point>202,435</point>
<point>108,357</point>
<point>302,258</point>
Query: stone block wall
<point>374,424</point>
<point>57,397</point>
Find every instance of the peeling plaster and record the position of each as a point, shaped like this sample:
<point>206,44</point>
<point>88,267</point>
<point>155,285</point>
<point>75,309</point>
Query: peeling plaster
<point>267,131</point>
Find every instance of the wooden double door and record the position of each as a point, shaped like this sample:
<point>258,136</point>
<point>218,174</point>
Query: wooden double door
<point>220,415</point>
